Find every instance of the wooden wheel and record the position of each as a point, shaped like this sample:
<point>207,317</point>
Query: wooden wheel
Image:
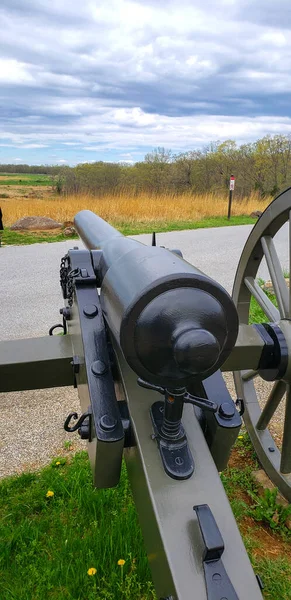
<point>260,248</point>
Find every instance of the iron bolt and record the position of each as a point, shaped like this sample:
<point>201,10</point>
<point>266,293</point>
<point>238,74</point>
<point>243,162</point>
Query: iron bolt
<point>107,423</point>
<point>90,310</point>
<point>226,410</point>
<point>98,368</point>
<point>66,313</point>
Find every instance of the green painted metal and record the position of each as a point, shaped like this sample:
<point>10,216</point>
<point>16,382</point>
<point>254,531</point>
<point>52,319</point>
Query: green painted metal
<point>165,506</point>
<point>36,363</point>
<point>247,351</point>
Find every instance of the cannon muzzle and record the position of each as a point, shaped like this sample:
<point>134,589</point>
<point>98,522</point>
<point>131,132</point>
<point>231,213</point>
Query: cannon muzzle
<point>173,324</point>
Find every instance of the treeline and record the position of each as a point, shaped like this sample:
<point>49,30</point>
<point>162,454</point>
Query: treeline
<point>263,166</point>
<point>32,169</point>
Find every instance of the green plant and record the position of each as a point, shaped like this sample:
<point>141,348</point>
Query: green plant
<point>267,510</point>
<point>68,445</point>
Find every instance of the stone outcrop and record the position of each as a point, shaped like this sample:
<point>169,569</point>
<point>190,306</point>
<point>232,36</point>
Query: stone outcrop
<point>256,214</point>
<point>68,231</point>
<point>35,223</point>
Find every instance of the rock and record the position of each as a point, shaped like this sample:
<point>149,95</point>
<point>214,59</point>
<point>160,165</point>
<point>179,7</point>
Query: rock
<point>69,231</point>
<point>35,223</point>
<point>256,214</point>
<point>68,223</point>
<point>268,286</point>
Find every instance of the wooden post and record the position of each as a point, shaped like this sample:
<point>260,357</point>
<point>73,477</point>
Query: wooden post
<point>231,188</point>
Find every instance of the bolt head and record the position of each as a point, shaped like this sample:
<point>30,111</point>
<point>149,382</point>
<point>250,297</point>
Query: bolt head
<point>98,368</point>
<point>107,423</point>
<point>226,410</point>
<point>90,310</point>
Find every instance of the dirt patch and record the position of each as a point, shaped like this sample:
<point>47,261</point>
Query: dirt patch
<point>241,458</point>
<point>267,543</point>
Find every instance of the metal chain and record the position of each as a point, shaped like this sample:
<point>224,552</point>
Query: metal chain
<point>65,279</point>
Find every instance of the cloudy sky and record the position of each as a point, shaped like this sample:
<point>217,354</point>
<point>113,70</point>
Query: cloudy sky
<point>110,80</point>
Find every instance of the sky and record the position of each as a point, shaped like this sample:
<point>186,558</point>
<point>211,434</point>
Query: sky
<point>111,80</point>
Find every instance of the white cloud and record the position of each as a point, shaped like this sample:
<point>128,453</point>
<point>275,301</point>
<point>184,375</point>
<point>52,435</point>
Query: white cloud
<point>114,73</point>
<point>13,71</point>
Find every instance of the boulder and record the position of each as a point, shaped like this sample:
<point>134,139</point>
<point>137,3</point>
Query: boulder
<point>69,231</point>
<point>35,223</point>
<point>256,214</point>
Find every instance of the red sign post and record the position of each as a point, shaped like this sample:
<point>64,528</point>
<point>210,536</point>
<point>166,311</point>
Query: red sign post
<point>231,188</point>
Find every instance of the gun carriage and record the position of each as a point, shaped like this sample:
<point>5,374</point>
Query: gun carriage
<point>147,337</point>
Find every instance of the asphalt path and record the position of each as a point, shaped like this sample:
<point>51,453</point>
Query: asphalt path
<point>30,295</point>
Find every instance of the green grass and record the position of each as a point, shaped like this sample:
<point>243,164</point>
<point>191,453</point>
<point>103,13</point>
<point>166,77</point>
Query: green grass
<point>260,513</point>
<point>22,179</point>
<point>47,545</point>
<point>28,237</point>
<point>183,225</point>
<point>15,238</point>
<point>256,314</point>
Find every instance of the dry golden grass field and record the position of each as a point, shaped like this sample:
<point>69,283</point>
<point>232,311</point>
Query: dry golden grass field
<point>123,209</point>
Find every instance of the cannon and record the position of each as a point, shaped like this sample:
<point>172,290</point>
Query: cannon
<point>147,337</point>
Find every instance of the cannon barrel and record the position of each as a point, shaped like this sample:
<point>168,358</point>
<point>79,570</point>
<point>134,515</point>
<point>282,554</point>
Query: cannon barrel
<point>173,324</point>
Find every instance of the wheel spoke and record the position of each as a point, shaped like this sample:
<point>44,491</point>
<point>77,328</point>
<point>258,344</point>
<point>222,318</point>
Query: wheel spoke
<point>271,405</point>
<point>276,274</point>
<point>262,299</point>
<point>285,466</point>
<point>248,375</point>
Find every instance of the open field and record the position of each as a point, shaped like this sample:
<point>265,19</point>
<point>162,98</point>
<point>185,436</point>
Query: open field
<point>12,179</point>
<point>34,195</point>
<point>124,210</point>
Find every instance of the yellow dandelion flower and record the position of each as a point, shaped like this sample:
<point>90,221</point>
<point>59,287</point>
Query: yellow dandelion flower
<point>58,462</point>
<point>240,437</point>
<point>92,571</point>
<point>50,494</point>
<point>121,562</point>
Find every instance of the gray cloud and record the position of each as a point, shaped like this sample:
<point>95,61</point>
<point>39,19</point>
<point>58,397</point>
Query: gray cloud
<point>111,72</point>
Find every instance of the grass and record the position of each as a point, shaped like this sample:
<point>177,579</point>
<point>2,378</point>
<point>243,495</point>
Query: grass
<point>47,544</point>
<point>140,212</point>
<point>10,237</point>
<point>267,542</point>
<point>16,238</point>
<point>19,179</point>
<point>130,215</point>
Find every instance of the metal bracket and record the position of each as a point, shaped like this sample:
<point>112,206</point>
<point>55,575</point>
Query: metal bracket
<point>221,428</point>
<point>168,430</point>
<point>92,371</point>
<point>176,456</point>
<point>218,584</point>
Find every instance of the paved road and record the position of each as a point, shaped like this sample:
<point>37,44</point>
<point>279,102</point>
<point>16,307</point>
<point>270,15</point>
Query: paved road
<point>30,295</point>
